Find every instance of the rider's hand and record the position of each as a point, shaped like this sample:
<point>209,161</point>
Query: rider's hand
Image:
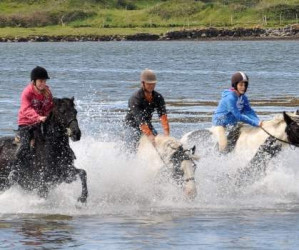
<point>42,118</point>
<point>166,133</point>
<point>260,123</point>
<point>152,139</point>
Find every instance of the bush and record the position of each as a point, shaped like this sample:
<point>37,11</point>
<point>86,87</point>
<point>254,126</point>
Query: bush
<point>126,5</point>
<point>247,3</point>
<point>43,18</point>
<point>62,17</point>
<point>177,9</point>
<point>35,19</point>
<point>286,11</point>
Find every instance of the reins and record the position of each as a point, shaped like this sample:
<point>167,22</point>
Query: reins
<point>72,120</point>
<point>166,165</point>
<point>160,156</point>
<point>291,144</point>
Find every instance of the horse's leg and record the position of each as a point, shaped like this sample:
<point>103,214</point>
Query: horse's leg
<point>14,173</point>
<point>5,182</point>
<point>258,164</point>
<point>83,176</point>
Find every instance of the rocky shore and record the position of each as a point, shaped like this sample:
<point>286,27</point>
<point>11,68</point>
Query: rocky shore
<point>289,32</point>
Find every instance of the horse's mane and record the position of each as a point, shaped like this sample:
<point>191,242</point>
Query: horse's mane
<point>276,121</point>
<point>294,116</point>
<point>167,142</point>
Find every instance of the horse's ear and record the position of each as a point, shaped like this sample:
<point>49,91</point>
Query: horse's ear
<point>287,119</point>
<point>193,149</point>
<point>55,101</point>
<point>73,98</point>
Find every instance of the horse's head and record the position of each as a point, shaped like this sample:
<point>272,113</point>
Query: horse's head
<point>182,161</point>
<point>65,112</point>
<point>184,168</point>
<point>292,128</point>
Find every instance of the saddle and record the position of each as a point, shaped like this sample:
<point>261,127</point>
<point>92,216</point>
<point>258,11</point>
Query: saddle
<point>17,138</point>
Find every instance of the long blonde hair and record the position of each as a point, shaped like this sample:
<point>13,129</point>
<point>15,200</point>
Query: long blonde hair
<point>45,92</point>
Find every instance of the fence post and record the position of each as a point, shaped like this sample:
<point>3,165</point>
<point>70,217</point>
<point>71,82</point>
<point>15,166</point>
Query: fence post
<point>265,20</point>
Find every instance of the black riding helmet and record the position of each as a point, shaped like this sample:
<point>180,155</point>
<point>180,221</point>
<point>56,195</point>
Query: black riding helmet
<point>239,77</point>
<point>39,73</point>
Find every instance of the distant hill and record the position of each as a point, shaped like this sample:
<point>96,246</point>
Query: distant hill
<point>148,14</point>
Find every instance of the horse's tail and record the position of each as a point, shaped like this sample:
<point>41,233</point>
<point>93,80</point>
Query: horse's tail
<point>8,148</point>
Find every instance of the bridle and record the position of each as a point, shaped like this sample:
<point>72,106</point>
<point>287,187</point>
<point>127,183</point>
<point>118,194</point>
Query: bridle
<point>70,121</point>
<point>288,131</point>
<point>177,158</point>
<point>66,124</point>
<point>69,132</point>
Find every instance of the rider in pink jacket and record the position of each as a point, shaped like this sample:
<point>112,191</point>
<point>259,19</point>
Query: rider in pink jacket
<point>36,104</point>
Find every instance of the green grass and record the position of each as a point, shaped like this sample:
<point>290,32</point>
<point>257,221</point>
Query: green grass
<point>83,17</point>
<point>9,32</point>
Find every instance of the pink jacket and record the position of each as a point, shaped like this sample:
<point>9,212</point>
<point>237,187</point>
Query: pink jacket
<point>34,105</point>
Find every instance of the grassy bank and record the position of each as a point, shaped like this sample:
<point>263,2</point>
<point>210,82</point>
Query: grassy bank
<point>71,31</point>
<point>125,17</point>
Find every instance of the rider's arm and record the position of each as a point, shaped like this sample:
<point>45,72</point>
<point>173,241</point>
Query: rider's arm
<point>165,124</point>
<point>248,111</point>
<point>162,113</point>
<point>232,107</point>
<point>136,109</point>
<point>27,111</point>
<point>145,129</point>
<point>48,106</point>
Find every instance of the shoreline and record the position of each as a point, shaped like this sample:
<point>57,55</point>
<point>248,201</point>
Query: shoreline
<point>205,34</point>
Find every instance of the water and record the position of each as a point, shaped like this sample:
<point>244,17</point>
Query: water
<point>126,209</point>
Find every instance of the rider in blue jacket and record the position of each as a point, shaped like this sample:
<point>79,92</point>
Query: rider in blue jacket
<point>233,107</point>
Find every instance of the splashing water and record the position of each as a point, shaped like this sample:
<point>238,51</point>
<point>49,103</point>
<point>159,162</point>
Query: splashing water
<point>119,182</point>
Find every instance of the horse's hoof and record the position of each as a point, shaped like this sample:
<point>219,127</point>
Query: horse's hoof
<point>82,199</point>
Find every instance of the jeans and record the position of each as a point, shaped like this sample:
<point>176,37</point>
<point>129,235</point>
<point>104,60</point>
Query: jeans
<point>23,154</point>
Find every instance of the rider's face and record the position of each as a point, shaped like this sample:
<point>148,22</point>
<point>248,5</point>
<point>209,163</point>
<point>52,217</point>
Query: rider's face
<point>241,88</point>
<point>149,87</point>
<point>40,84</point>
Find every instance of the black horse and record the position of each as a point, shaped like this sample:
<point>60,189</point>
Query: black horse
<point>51,157</point>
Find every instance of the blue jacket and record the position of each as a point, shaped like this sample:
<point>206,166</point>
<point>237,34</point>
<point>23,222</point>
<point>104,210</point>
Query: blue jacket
<point>232,109</point>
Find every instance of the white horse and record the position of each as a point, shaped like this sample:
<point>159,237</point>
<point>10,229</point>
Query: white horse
<point>170,156</point>
<point>252,144</point>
